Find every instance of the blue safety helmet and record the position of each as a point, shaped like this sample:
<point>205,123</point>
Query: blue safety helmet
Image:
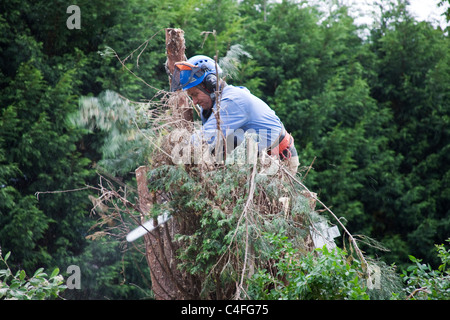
<point>188,74</point>
<point>205,63</point>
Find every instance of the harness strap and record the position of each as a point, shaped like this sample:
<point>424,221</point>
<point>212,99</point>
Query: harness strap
<point>284,146</point>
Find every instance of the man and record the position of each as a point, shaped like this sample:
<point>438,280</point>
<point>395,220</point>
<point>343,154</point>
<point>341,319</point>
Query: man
<point>239,110</point>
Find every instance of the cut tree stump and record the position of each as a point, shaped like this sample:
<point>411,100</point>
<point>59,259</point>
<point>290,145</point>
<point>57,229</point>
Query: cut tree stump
<point>175,47</point>
<point>168,283</point>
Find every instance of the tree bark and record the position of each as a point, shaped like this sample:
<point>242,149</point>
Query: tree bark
<point>168,283</point>
<point>160,284</point>
<point>175,48</point>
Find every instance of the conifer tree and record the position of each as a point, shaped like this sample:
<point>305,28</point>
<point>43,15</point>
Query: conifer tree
<point>413,81</point>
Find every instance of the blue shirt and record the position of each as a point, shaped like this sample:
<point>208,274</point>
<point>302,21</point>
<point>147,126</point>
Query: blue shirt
<point>240,112</point>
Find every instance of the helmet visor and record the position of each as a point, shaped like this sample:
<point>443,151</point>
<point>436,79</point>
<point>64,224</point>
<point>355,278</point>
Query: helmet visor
<point>185,76</point>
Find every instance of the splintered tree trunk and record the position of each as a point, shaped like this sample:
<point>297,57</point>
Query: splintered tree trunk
<point>175,47</point>
<point>168,283</point>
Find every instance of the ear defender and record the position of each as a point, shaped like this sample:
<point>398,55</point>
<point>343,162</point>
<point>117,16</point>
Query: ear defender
<point>210,82</point>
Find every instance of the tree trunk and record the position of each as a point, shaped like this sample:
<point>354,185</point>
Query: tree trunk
<point>175,47</point>
<point>168,283</point>
<point>161,285</point>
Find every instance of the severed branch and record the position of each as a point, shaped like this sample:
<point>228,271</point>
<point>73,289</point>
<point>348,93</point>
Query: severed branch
<point>313,195</point>
<point>244,214</point>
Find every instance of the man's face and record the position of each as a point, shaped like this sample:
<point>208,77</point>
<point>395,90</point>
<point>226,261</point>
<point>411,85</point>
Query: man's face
<point>200,98</point>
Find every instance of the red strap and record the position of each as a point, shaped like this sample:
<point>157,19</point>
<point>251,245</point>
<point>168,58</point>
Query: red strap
<point>284,144</point>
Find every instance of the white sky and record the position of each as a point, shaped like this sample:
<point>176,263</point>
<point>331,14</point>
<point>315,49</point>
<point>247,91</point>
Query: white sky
<point>422,10</point>
<point>427,9</point>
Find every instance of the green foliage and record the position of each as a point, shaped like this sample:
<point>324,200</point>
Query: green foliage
<point>413,70</point>
<point>220,225</point>
<point>44,153</point>
<point>109,271</point>
<point>323,275</point>
<point>18,286</point>
<point>122,123</point>
<point>370,114</point>
<point>425,283</point>
<point>44,69</point>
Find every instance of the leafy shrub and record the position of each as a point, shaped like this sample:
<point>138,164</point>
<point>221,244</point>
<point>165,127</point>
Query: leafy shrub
<point>320,275</point>
<point>424,283</point>
<point>39,287</point>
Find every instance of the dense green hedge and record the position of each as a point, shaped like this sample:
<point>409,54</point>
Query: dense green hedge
<point>369,110</point>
